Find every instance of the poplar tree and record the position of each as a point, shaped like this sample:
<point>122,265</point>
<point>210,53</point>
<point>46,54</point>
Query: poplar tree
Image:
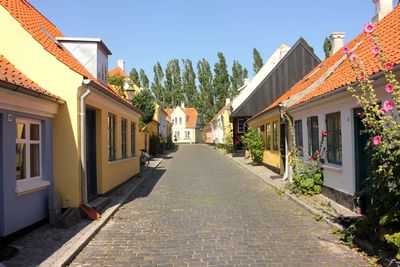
<point>157,85</point>
<point>221,81</point>
<point>134,77</point>
<point>168,86</point>
<point>177,96</point>
<point>257,61</point>
<point>327,47</point>
<point>237,79</point>
<point>206,98</point>
<point>189,83</point>
<point>144,80</point>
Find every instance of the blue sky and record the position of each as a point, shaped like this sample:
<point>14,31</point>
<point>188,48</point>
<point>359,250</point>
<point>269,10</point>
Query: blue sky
<point>144,32</point>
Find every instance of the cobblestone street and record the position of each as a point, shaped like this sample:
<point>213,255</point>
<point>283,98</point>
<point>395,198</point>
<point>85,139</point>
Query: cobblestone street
<point>200,208</point>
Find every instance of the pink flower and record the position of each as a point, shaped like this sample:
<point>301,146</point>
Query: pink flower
<point>389,66</point>
<point>387,105</point>
<point>375,50</point>
<point>352,56</point>
<point>345,50</point>
<point>362,76</point>
<point>324,133</point>
<point>376,140</point>
<point>310,158</point>
<point>389,87</point>
<point>369,27</point>
<point>371,39</point>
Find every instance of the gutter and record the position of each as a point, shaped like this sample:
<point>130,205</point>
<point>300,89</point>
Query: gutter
<point>83,142</point>
<point>17,88</point>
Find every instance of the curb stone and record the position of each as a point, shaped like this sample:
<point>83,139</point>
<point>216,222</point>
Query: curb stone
<point>66,254</point>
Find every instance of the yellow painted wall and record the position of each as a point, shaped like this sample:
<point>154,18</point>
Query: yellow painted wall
<point>152,128</point>
<point>28,55</point>
<point>228,128</point>
<point>111,174</point>
<point>271,157</point>
<point>18,46</point>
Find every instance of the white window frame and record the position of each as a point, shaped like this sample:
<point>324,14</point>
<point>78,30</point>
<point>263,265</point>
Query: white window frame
<point>187,134</point>
<point>243,128</point>
<point>30,184</point>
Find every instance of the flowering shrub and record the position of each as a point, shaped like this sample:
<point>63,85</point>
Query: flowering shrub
<point>254,144</point>
<point>307,177</point>
<point>382,124</point>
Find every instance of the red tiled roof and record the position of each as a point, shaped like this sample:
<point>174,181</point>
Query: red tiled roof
<point>117,71</point>
<point>10,74</point>
<point>45,32</point>
<point>191,114</point>
<point>388,31</point>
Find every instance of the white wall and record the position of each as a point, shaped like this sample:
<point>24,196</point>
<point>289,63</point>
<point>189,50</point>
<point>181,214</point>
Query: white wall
<point>181,127</point>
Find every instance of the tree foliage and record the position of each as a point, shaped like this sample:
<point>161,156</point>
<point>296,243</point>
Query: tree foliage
<point>118,83</point>
<point>257,61</point>
<point>144,101</point>
<point>134,77</point>
<point>206,99</point>
<point>173,83</point>
<point>189,83</point>
<point>144,80</point>
<point>221,81</point>
<point>157,86</point>
<point>327,47</point>
<point>307,44</point>
<point>254,144</point>
<point>237,79</point>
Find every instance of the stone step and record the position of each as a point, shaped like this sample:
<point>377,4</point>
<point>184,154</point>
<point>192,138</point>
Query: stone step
<point>99,203</point>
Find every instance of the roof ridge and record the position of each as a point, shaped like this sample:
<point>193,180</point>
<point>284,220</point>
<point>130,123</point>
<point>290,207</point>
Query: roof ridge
<point>291,100</point>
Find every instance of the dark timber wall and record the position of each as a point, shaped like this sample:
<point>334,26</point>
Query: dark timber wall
<point>298,62</point>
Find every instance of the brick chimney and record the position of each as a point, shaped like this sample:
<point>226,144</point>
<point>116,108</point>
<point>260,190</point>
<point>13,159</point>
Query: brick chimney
<point>337,39</point>
<point>382,8</point>
<point>121,64</point>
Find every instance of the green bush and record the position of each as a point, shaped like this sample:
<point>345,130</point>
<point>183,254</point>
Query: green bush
<point>254,144</point>
<point>169,144</point>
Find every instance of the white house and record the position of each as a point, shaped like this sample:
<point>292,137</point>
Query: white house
<point>185,125</point>
<point>321,102</point>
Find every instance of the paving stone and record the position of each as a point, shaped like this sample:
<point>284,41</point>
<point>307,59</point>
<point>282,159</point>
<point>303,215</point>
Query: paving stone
<point>202,209</point>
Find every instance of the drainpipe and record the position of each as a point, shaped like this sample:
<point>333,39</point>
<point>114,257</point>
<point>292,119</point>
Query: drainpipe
<point>287,166</point>
<point>83,142</point>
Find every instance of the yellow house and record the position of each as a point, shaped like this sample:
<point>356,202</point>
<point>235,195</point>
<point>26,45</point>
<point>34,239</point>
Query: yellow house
<point>221,127</point>
<point>273,132</point>
<point>95,132</point>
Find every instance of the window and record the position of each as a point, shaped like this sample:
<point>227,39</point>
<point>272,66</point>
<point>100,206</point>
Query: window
<point>187,134</point>
<point>268,136</point>
<point>334,138</point>
<point>180,120</point>
<point>123,138</point>
<point>298,128</point>
<point>313,135</point>
<point>241,126</point>
<point>111,137</point>
<point>176,135</point>
<point>275,133</point>
<point>28,150</point>
<point>133,144</point>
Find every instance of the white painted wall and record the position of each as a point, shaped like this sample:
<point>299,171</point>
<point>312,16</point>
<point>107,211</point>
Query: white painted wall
<point>217,128</point>
<point>179,129</point>
<point>341,178</point>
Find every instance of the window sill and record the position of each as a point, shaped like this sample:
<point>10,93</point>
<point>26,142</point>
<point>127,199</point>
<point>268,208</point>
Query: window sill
<point>30,186</point>
<point>122,160</point>
<point>333,167</point>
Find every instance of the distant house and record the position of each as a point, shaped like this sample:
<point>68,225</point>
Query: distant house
<point>290,67</point>
<point>320,102</point>
<point>95,131</point>
<point>282,70</point>
<point>221,127</point>
<point>185,125</point>
<point>129,89</point>
<point>27,114</point>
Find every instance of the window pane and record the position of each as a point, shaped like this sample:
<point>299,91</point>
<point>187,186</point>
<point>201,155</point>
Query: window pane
<point>268,136</point>
<point>133,152</point>
<point>34,131</point>
<point>35,160</point>
<point>20,131</point>
<point>20,161</point>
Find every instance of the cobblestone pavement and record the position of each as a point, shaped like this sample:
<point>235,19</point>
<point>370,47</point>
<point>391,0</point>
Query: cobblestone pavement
<point>202,209</point>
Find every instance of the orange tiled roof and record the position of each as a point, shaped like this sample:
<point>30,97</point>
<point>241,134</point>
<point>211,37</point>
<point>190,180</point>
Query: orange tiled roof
<point>191,113</point>
<point>388,30</point>
<point>117,71</point>
<point>10,74</point>
<point>45,32</point>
